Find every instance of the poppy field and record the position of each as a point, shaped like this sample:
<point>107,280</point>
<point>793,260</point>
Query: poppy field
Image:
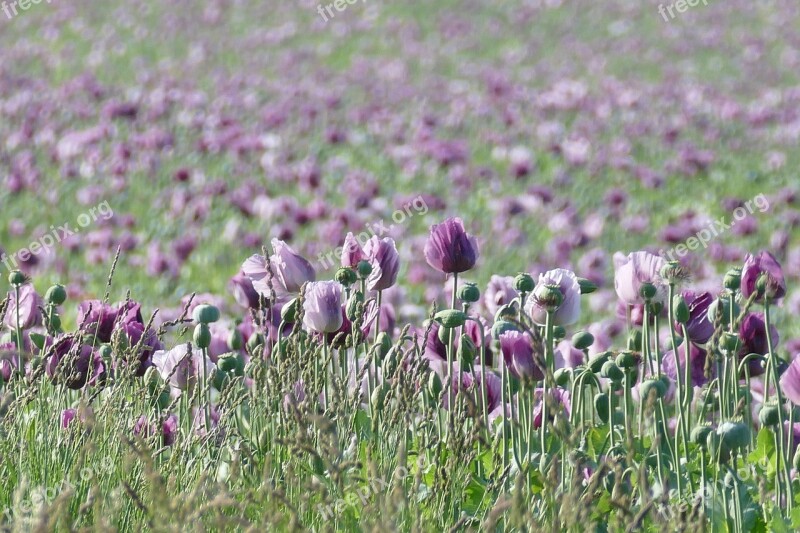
<point>420,266</point>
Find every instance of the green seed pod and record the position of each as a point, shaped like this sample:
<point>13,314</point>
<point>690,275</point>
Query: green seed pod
<point>235,340</point>
<point>587,287</point>
<point>729,342</point>
<point>466,351</point>
<point>559,332</point>
<point>699,435</point>
<point>346,276</point>
<point>378,399</point>
<point>435,385</point>
<point>724,307</point>
<point>219,379</point>
<point>734,434</point>
<point>655,308</point>
<point>601,405</point>
<point>451,318</point>
<point>202,335</point>
<point>548,297</point>
<point>647,290</point>
<point>500,327</point>
<point>597,361</point>
<point>733,279</point>
<point>469,292</point>
<point>444,335</point>
<point>562,376</point>
<point>654,386</point>
<point>364,269</point>
<point>611,371</point>
<point>384,344</point>
<point>354,305</point>
<point>106,352</point>
<point>769,415</point>
<point>717,448</point>
<point>524,282</point>
<point>582,340</point>
<point>205,314</point>
<point>255,340</point>
<point>17,278</point>
<point>231,362</point>
<point>635,340</point>
<point>56,295</point>
<point>680,309</point>
<point>627,360</point>
<point>289,311</point>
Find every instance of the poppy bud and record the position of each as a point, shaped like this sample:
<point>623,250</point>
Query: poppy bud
<point>500,327</point>
<point>205,314</point>
<point>346,276</point>
<point>769,415</point>
<point>451,318</point>
<point>231,362</point>
<point>559,332</point>
<point>561,376</point>
<point>647,290</point>
<point>524,283</point>
<point>582,340</point>
<point>466,351</point>
<point>289,311</point>
<point>506,311</point>
<point>729,342</point>
<point>202,335</point>
<point>655,308</point>
<point>384,344</point>
<point>587,287</point>
<point>549,297</point>
<point>353,305</point>
<point>680,309</point>
<point>699,435</point>
<point>733,279</point>
<point>598,360</point>
<point>626,360</point>
<point>255,340</point>
<point>611,371</point>
<point>469,292</point>
<point>17,278</point>
<point>435,386</point>
<point>235,340</point>
<point>635,340</point>
<point>56,295</point>
<point>601,405</point>
<point>378,399</point>
<point>364,269</point>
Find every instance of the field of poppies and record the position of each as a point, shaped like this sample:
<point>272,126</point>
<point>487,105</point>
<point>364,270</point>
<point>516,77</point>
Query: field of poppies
<point>420,266</point>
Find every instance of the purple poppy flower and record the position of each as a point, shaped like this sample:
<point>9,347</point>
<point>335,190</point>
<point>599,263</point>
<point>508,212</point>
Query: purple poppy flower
<point>518,355</point>
<point>385,260</point>
<point>6,369</point>
<point>763,263</point>
<point>243,291</point>
<point>570,309</point>
<point>352,253</point>
<point>290,271</point>
<point>180,368</point>
<point>697,357</point>
<point>699,327</point>
<point>561,398</point>
<point>567,356</point>
<point>322,306</point>
<point>753,335</point>
<point>97,318</point>
<point>633,271</point>
<point>790,382</point>
<point>435,349</point>
<point>74,364</point>
<point>169,430</point>
<point>499,292</point>
<point>67,416</point>
<point>145,341</point>
<point>29,302</point>
<point>450,249</point>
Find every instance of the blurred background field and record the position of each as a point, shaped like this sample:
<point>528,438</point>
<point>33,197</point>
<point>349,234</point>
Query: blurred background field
<point>560,132</point>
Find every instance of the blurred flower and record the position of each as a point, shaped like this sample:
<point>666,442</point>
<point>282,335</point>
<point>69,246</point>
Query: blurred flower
<point>385,260</point>
<point>766,264</point>
<point>634,270</point>
<point>181,368</point>
<point>517,351</point>
<point>290,271</point>
<point>569,311</point>
<point>352,253</point>
<point>790,382</point>
<point>74,364</point>
<point>697,357</point>
<point>322,305</point>
<point>450,249</point>
<point>699,327</point>
<point>243,291</point>
<point>753,335</point>
<point>560,397</point>
<point>499,292</point>
<point>29,303</point>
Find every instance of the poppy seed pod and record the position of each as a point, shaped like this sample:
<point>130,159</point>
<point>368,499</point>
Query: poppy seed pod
<point>548,297</point>
<point>202,336</point>
<point>601,406</point>
<point>654,386</point>
<point>451,318</point>
<point>205,314</point>
<point>582,340</point>
<point>255,340</point>
<point>647,290</point>
<point>769,415</point>
<point>500,327</point>
<point>56,295</point>
<point>524,283</point>
<point>364,269</point>
<point>626,360</point>
<point>680,309</point>
<point>231,362</point>
<point>733,279</point>
<point>17,278</point>
<point>562,376</point>
<point>598,360</point>
<point>699,435</point>
<point>469,292</point>
<point>346,276</point>
<point>466,351</point>
<point>559,332</point>
<point>611,371</point>
<point>734,434</point>
<point>586,286</point>
<point>235,340</point>
<point>729,342</point>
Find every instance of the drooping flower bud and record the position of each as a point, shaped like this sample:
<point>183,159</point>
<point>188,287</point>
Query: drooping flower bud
<point>451,318</point>
<point>56,295</point>
<point>680,309</point>
<point>202,336</point>
<point>582,340</point>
